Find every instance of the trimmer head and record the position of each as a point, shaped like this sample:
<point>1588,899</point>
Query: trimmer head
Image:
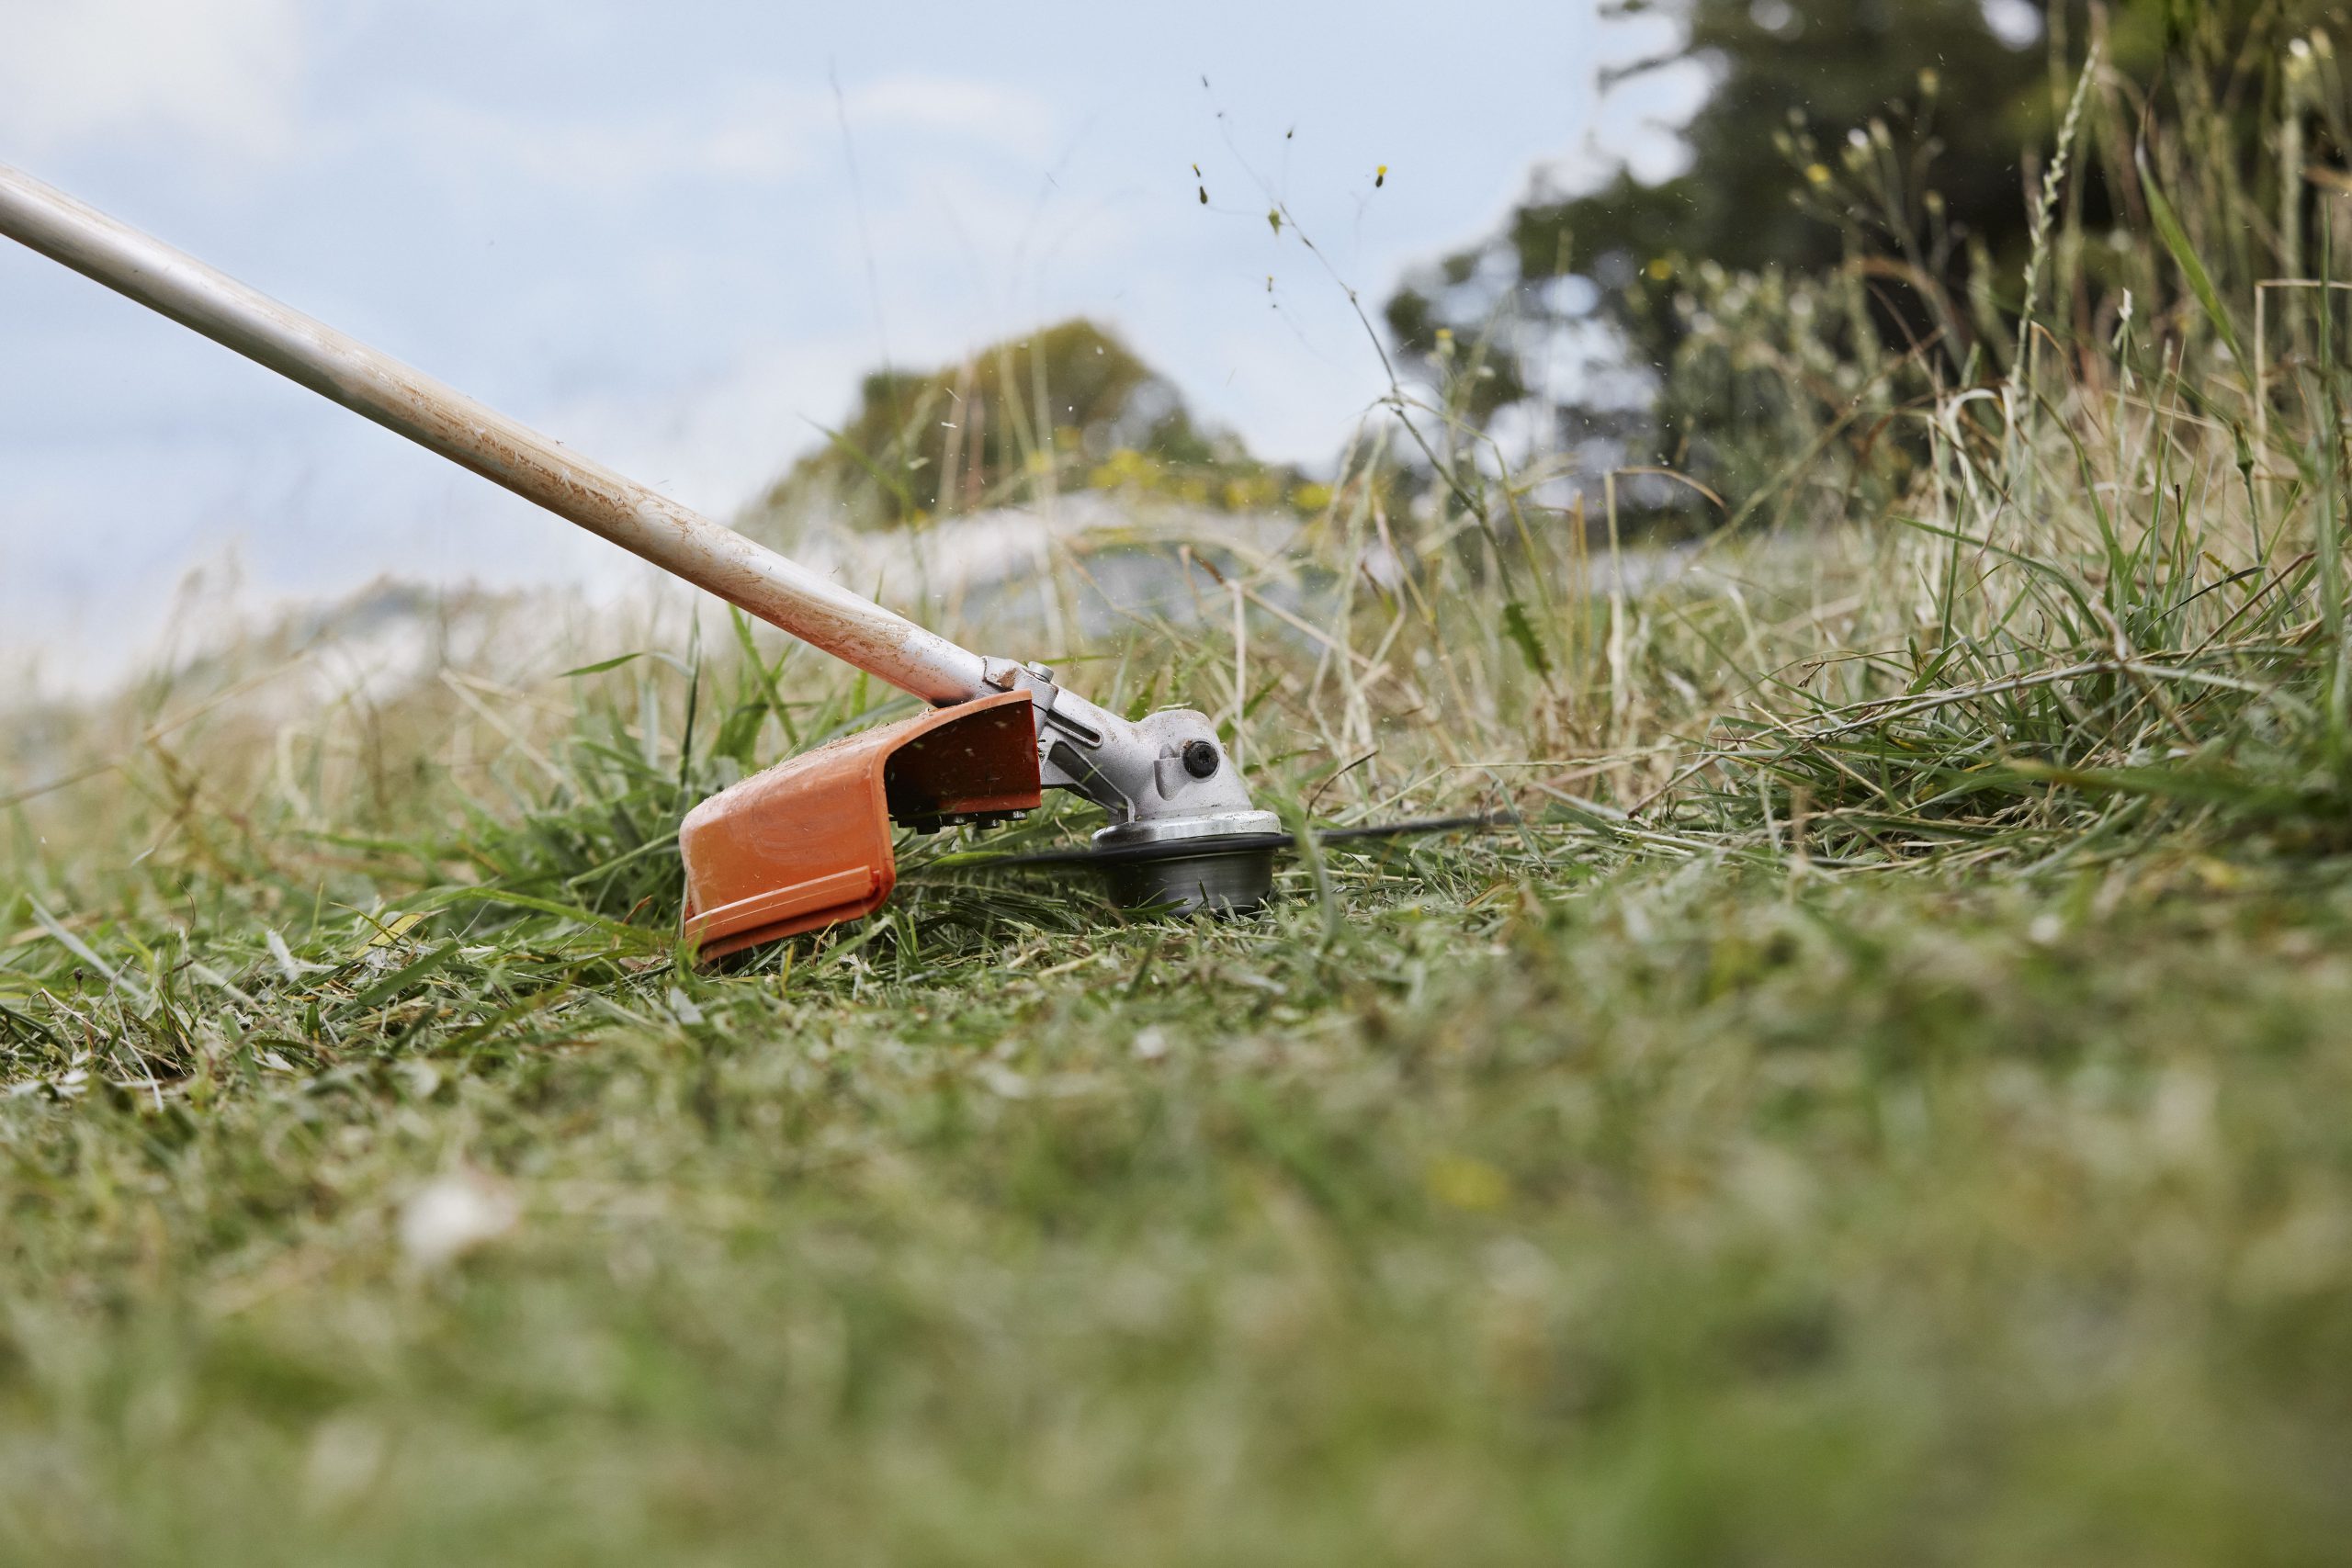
<point>1223,863</point>
<point>807,843</point>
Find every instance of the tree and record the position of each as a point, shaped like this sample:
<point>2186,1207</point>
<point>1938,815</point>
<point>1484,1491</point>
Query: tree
<point>1894,143</point>
<point>1779,69</point>
<point>1068,404</point>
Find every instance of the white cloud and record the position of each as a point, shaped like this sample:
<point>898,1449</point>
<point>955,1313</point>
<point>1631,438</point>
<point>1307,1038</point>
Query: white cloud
<point>754,142</point>
<point>226,71</point>
<point>759,132</point>
<point>984,111</point>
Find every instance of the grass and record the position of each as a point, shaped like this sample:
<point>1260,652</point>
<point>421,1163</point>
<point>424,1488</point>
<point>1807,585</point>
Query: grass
<point>1680,1221</point>
<point>1887,1104</point>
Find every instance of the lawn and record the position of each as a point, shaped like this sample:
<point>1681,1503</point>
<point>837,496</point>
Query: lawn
<point>1535,1209</point>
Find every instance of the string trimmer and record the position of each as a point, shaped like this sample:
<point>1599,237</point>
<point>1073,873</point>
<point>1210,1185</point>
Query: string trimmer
<point>806,843</point>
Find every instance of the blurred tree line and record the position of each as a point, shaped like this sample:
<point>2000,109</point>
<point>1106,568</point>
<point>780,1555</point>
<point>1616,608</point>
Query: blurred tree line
<point>1065,407</point>
<point>1860,188</point>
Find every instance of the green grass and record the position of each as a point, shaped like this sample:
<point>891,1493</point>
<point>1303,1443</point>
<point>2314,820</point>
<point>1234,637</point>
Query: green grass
<point>1888,1104</point>
<point>1662,1216</point>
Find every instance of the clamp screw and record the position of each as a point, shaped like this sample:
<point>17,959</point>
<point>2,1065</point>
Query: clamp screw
<point>1200,758</point>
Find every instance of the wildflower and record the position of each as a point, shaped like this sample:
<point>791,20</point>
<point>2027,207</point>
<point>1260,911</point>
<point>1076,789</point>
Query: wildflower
<point>1460,1181</point>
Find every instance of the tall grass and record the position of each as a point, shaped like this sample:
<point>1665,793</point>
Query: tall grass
<point>2044,603</point>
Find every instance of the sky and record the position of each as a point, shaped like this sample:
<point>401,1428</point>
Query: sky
<point>676,235</point>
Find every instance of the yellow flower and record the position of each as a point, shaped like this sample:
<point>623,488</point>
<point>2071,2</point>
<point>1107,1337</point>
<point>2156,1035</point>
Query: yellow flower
<point>1461,1182</point>
<point>1817,173</point>
<point>1124,467</point>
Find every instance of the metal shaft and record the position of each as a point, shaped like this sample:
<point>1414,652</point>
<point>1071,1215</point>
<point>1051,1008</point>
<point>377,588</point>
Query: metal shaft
<point>441,419</point>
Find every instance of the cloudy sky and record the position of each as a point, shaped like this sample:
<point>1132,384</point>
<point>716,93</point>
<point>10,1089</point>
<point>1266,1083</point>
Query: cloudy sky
<point>673,235</point>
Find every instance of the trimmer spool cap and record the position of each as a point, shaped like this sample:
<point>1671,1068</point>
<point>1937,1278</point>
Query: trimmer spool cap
<point>1220,864</point>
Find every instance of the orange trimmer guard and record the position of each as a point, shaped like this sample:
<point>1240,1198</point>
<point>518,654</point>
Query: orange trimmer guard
<point>806,843</point>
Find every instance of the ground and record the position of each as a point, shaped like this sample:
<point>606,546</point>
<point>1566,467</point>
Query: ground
<point>1508,1209</point>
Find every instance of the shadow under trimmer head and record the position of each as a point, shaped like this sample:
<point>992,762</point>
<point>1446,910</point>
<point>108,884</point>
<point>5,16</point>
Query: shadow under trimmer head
<point>806,843</point>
